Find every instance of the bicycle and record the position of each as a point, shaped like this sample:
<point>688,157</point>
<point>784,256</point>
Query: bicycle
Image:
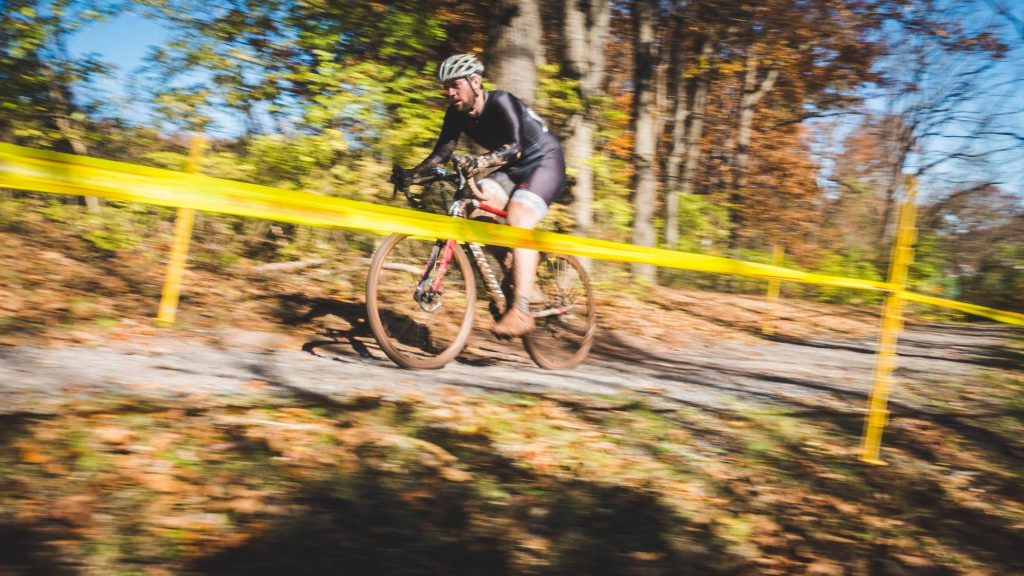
<point>421,293</point>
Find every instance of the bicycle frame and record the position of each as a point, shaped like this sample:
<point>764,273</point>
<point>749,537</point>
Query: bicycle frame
<point>445,248</point>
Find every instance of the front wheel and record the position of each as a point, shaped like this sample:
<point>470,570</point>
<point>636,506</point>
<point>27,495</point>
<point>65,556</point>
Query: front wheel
<point>567,320</point>
<point>420,322</point>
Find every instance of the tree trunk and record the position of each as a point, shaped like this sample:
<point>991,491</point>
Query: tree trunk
<point>698,88</point>
<point>753,92</point>
<point>692,96</point>
<point>660,103</point>
<point>579,148</point>
<point>585,30</point>
<point>59,94</point>
<point>677,145</point>
<point>514,47</point>
<point>643,127</point>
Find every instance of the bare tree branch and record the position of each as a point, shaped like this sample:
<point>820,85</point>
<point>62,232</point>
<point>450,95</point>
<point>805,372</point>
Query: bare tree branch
<point>1001,9</point>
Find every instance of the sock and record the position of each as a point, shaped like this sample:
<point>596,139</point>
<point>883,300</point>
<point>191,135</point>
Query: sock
<point>523,303</point>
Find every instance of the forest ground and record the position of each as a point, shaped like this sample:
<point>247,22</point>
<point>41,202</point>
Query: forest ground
<point>266,433</point>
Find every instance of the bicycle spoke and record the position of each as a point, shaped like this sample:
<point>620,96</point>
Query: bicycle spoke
<point>420,321</point>
<point>567,321</point>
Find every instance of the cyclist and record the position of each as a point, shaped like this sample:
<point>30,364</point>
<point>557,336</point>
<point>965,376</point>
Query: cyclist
<point>531,168</point>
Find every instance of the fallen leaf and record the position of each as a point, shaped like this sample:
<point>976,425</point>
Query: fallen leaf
<point>76,508</point>
<point>56,468</point>
<point>647,556</point>
<point>12,303</point>
<point>113,435</point>
<point>165,440</point>
<point>437,451</point>
<point>246,505</point>
<point>414,496</point>
<point>443,414</point>
<point>535,543</point>
<point>455,474</point>
<point>160,482</point>
<point>913,561</point>
<point>824,568</point>
<point>31,454</point>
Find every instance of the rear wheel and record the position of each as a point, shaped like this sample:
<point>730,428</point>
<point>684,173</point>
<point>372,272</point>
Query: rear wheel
<point>416,326</point>
<point>567,320</point>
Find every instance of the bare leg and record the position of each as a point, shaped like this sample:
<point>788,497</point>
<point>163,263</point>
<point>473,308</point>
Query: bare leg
<point>518,320</point>
<point>492,194</point>
<point>524,264</point>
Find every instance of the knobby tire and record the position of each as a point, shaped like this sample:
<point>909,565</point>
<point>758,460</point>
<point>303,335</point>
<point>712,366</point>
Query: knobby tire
<point>562,341</point>
<point>410,336</point>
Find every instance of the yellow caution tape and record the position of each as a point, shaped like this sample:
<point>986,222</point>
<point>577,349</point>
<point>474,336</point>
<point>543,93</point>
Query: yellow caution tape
<point>1004,316</point>
<point>45,171</point>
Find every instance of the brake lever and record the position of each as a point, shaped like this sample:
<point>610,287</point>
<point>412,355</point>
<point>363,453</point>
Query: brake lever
<point>405,192</point>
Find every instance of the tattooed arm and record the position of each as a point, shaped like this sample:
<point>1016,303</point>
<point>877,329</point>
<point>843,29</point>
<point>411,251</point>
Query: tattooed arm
<point>471,165</point>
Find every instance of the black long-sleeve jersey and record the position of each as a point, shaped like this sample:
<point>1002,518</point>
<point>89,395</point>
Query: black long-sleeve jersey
<point>504,120</point>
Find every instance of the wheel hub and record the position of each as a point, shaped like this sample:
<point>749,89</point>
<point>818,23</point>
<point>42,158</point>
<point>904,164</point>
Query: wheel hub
<point>429,300</point>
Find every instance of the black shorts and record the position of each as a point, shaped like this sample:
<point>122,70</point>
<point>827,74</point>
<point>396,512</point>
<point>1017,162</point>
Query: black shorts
<point>544,177</point>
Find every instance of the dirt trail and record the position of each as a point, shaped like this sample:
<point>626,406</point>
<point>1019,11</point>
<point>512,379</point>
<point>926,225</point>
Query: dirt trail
<point>73,324</point>
<point>715,373</point>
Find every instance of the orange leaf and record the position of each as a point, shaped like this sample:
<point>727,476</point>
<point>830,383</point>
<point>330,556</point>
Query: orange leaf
<point>246,505</point>
<point>646,556</point>
<point>160,483</point>
<point>113,434</point>
<point>31,454</point>
<point>455,474</point>
<point>825,568</point>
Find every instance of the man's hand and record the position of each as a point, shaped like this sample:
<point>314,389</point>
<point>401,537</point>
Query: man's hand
<point>400,176</point>
<point>404,178</point>
<point>470,165</point>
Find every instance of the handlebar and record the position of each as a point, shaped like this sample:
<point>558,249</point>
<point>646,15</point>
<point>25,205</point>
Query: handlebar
<point>438,174</point>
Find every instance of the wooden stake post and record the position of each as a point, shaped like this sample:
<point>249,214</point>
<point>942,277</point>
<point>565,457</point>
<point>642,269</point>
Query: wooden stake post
<point>778,259</point>
<point>892,323</point>
<point>179,249</point>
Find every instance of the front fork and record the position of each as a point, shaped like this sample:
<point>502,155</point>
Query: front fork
<point>428,291</point>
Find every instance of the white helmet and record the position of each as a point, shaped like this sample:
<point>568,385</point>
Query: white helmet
<point>459,66</point>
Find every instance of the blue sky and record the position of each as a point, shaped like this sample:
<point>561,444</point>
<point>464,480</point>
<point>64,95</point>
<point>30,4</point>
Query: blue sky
<point>122,42</point>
